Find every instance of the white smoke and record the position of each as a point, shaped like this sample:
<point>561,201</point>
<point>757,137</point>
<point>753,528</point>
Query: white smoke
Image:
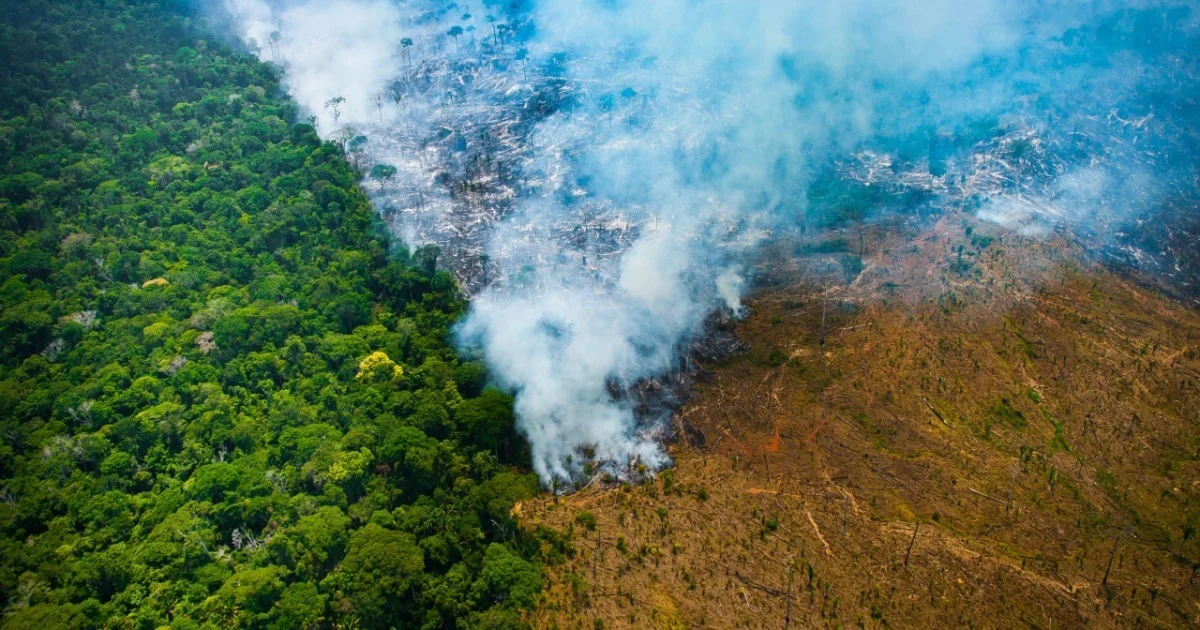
<point>711,162</point>
<point>730,286</point>
<point>690,130</point>
<point>347,49</point>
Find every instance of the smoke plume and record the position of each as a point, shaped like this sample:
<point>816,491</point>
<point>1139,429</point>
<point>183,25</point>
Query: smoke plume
<point>596,171</point>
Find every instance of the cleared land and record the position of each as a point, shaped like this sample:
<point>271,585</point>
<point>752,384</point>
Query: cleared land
<point>959,427</point>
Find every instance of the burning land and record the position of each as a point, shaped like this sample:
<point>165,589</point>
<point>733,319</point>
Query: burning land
<point>601,209</point>
<point>875,317</point>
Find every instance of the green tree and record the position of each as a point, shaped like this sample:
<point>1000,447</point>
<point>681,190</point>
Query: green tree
<point>507,579</point>
<point>405,44</point>
<point>383,172</point>
<point>378,575</point>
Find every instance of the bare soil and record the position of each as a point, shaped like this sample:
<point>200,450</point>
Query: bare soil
<point>1005,435</point>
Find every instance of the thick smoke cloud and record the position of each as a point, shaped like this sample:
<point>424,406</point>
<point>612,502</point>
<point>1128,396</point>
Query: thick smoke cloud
<point>644,147</point>
<point>727,106</point>
<point>330,49</point>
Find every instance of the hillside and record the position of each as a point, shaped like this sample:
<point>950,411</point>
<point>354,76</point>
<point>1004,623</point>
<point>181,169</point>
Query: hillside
<point>1033,414</point>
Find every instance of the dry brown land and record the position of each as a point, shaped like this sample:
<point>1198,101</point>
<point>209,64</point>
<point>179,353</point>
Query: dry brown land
<point>1009,437</point>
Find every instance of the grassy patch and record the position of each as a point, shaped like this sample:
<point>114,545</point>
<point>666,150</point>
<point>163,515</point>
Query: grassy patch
<point>586,519</point>
<point>877,435</point>
<point>1059,442</point>
<point>1006,412</point>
